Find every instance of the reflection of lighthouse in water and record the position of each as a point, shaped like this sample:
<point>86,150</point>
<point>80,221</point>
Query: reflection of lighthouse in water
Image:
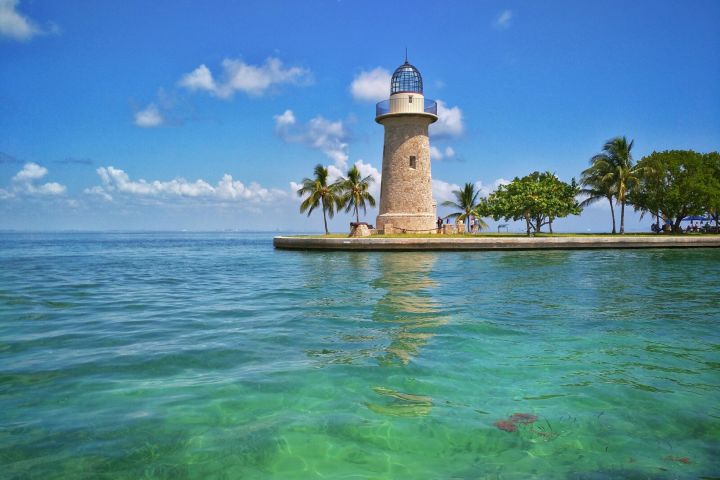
<point>413,318</point>
<point>407,307</point>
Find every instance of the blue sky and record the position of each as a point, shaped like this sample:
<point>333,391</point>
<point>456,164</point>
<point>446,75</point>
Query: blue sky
<point>200,115</point>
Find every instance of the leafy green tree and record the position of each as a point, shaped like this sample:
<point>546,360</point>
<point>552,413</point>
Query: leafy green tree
<point>466,201</point>
<point>538,198</point>
<point>650,190</point>
<point>354,192</point>
<point>319,193</point>
<point>713,201</point>
<point>676,184</point>
<point>597,186</point>
<point>616,163</point>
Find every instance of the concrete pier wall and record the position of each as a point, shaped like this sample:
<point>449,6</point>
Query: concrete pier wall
<point>494,243</point>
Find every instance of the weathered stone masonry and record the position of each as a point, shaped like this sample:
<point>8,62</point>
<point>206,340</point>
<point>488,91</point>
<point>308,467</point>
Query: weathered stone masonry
<point>406,193</point>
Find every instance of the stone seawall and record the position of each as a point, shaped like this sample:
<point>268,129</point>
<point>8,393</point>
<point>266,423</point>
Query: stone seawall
<point>494,243</point>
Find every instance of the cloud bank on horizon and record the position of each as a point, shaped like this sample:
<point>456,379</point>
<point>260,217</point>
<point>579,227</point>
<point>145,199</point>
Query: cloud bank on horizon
<point>24,183</point>
<point>115,181</point>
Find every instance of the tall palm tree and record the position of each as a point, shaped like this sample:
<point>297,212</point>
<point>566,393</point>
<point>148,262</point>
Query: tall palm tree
<point>319,193</point>
<point>617,164</point>
<point>596,187</point>
<point>354,192</point>
<point>467,204</point>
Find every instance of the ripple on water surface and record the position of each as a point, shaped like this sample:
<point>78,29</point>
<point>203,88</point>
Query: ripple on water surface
<point>213,355</point>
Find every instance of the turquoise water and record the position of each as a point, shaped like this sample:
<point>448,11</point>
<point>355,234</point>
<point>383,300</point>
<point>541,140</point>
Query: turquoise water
<point>214,356</point>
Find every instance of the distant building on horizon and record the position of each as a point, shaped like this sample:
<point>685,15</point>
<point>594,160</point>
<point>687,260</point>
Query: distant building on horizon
<point>406,201</point>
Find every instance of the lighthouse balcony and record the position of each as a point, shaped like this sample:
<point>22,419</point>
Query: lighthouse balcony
<point>406,104</point>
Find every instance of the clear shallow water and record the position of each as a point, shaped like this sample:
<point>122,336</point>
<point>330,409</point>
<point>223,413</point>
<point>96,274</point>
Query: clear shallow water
<point>214,356</point>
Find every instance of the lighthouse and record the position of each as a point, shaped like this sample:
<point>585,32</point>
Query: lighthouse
<point>406,203</point>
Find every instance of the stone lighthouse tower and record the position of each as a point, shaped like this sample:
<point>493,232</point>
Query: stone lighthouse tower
<point>406,200</point>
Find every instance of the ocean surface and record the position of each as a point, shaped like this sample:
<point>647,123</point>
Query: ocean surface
<point>213,356</point>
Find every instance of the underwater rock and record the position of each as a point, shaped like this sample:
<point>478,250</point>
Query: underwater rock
<point>506,425</point>
<point>684,460</point>
<point>403,405</point>
<point>400,410</point>
<point>523,418</point>
<point>403,396</point>
<point>510,425</point>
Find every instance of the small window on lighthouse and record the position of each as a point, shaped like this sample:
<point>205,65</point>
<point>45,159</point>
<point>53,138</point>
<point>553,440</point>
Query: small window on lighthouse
<point>410,98</point>
<point>413,162</point>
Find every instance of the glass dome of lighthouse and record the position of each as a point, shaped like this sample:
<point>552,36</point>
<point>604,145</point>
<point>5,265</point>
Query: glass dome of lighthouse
<point>406,79</point>
<point>406,96</point>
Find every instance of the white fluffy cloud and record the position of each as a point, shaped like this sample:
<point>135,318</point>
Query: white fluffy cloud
<point>450,121</point>
<point>50,188</point>
<point>486,190</point>
<point>14,24</point>
<point>30,171</point>
<point>330,137</point>
<point>99,191</point>
<point>238,76</point>
<point>503,20</point>
<point>24,183</point>
<point>367,169</point>
<point>442,190</point>
<point>437,154</point>
<point>286,119</point>
<point>149,117</point>
<point>116,181</point>
<point>199,79</point>
<point>371,86</point>
<point>334,173</point>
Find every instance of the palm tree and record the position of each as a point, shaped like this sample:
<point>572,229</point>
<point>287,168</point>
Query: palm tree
<point>597,188</point>
<point>467,203</point>
<point>319,193</point>
<point>616,163</point>
<point>355,192</point>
